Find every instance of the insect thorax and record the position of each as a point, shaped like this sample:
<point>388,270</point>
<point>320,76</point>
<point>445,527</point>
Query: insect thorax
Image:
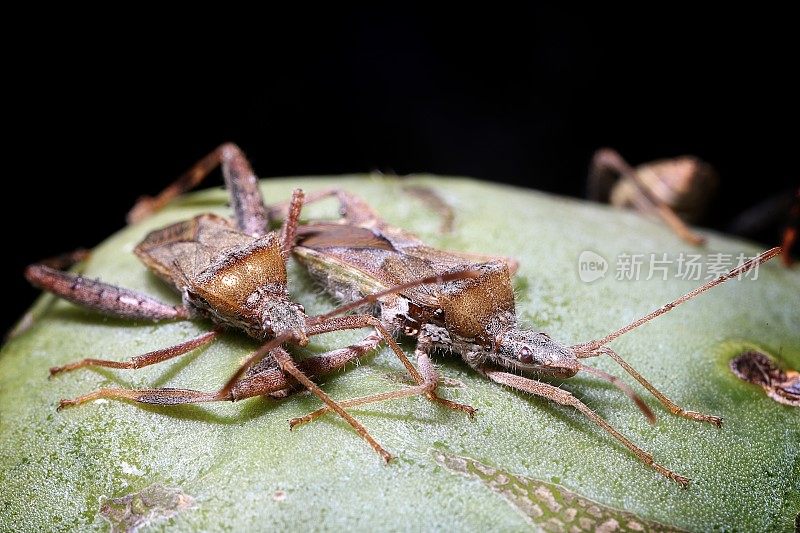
<point>246,289</point>
<point>266,312</point>
<point>474,307</point>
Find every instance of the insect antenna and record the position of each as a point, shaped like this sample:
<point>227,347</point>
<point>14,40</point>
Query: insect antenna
<point>585,350</point>
<point>372,298</point>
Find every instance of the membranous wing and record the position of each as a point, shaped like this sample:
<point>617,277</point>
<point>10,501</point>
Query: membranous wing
<point>222,269</point>
<point>363,260</point>
<point>183,249</point>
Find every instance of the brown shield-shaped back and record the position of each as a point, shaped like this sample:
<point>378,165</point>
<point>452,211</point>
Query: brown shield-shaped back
<point>179,252</point>
<point>471,305</point>
<point>208,256</point>
<point>230,284</point>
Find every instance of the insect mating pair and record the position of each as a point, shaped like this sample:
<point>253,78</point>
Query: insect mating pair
<point>234,273</point>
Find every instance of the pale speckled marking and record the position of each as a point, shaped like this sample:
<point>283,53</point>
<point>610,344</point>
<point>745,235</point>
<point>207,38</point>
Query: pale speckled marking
<point>548,506</point>
<point>152,504</point>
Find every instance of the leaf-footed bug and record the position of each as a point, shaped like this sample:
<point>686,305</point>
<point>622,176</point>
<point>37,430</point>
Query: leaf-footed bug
<point>233,273</point>
<point>474,318</point>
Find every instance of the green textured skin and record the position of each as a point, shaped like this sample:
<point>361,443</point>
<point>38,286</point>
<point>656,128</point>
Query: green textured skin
<point>234,459</point>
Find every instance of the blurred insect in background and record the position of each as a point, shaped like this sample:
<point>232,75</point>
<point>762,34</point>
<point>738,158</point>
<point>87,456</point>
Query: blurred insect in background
<point>677,190</point>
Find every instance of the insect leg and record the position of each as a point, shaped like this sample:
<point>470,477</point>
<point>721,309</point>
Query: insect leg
<point>149,396</point>
<point>431,376</point>
<point>336,359</point>
<point>325,363</point>
<point>435,203</point>
<point>603,172</point>
<point>256,385</point>
<point>59,262</point>
<point>103,297</point>
<point>364,321</point>
<point>356,211</point>
<point>431,379</point>
<point>65,261</point>
<point>353,209</point>
<point>289,228</point>
<point>287,364</point>
<point>141,361</point>
<point>666,402</point>
<point>246,199</point>
<point>565,398</point>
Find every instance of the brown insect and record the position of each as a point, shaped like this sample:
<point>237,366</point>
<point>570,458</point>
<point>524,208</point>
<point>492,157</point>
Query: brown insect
<point>233,273</point>
<point>474,318</point>
<point>677,190</point>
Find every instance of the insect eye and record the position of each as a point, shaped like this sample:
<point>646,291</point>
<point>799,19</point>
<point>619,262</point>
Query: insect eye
<point>525,355</point>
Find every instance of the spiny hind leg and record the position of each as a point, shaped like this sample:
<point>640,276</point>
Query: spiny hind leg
<point>241,181</point>
<point>59,262</point>
<point>102,297</point>
<point>261,383</point>
<point>258,384</point>
<point>164,396</point>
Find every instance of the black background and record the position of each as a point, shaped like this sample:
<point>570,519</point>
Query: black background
<point>102,115</point>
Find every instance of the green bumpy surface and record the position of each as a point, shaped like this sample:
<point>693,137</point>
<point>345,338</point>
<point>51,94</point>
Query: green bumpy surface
<point>523,461</point>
